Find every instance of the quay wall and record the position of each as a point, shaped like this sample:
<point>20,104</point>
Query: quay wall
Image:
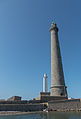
<point>22,107</point>
<point>65,105</point>
<point>55,105</point>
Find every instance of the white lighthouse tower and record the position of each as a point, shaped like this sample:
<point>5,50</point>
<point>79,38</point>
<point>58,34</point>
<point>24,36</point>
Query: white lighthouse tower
<point>45,89</point>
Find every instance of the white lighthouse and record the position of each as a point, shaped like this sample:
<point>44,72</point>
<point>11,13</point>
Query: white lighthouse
<point>45,83</point>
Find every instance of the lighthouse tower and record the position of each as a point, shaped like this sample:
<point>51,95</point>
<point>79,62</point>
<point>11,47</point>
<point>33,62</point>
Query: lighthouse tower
<point>45,83</point>
<point>58,87</point>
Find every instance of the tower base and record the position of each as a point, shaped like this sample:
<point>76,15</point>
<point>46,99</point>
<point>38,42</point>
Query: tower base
<point>58,91</point>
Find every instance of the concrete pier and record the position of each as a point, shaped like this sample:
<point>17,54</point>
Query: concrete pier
<point>58,87</point>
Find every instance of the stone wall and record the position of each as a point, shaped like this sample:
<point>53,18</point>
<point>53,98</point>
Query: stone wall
<point>65,105</point>
<point>22,107</point>
<point>49,98</point>
<point>14,102</point>
<point>55,105</point>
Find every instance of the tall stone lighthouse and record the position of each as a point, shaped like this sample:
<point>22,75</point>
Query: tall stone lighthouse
<point>58,87</point>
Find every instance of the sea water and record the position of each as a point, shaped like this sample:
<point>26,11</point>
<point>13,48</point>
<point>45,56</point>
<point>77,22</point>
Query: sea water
<point>45,115</point>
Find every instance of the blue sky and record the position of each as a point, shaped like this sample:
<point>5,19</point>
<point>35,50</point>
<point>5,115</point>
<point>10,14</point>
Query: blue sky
<point>25,45</point>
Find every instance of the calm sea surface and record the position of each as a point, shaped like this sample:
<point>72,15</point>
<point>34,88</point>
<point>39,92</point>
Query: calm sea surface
<point>49,115</point>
